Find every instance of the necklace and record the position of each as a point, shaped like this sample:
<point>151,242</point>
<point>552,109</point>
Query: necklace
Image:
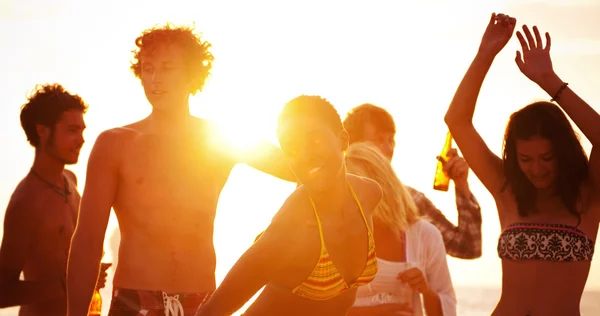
<point>64,192</point>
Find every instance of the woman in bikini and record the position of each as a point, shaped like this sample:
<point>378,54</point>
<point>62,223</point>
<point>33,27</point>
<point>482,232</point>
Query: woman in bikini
<point>319,247</point>
<point>546,190</point>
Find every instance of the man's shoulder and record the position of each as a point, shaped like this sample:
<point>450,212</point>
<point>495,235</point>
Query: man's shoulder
<point>70,176</point>
<point>117,136</point>
<point>24,199</point>
<point>416,194</point>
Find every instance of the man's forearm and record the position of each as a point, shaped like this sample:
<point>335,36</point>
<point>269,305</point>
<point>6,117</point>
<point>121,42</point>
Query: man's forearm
<point>269,158</point>
<point>30,292</point>
<point>463,189</point>
<point>82,274</point>
<point>466,243</point>
<point>462,241</point>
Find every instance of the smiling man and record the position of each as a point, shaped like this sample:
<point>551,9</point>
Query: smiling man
<point>163,177</point>
<point>42,211</point>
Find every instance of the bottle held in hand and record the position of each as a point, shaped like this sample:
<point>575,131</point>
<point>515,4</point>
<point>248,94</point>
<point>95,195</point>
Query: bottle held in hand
<point>442,180</point>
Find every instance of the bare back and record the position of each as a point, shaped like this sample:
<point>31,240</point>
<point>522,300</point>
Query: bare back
<point>166,198</point>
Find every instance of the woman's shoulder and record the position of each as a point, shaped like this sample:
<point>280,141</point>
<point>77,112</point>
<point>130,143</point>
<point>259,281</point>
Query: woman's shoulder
<point>423,229</point>
<point>367,189</point>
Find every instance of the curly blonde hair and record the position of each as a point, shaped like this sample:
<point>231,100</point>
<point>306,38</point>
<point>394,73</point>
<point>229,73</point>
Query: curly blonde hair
<point>197,56</point>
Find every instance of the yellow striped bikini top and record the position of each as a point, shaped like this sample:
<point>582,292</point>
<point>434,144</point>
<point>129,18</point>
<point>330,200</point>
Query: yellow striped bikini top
<point>325,282</point>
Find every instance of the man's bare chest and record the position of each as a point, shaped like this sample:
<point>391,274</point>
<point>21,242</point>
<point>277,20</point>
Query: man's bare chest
<point>57,224</point>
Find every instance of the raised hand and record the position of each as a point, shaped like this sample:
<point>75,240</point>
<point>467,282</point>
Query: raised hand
<point>534,62</point>
<point>455,167</point>
<point>497,34</point>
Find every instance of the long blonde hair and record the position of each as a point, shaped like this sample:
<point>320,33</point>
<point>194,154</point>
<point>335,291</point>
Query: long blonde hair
<point>397,208</point>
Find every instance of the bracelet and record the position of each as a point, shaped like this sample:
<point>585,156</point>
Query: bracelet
<point>559,92</point>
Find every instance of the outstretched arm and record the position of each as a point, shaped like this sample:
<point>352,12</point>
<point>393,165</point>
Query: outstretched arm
<point>268,158</point>
<point>21,224</point>
<point>459,118</point>
<point>535,63</point>
<point>87,242</point>
<point>261,155</point>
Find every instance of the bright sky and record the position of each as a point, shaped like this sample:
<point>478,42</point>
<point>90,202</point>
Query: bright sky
<point>407,58</point>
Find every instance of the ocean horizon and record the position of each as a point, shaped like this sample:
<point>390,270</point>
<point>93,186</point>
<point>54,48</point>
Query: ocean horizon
<point>472,301</point>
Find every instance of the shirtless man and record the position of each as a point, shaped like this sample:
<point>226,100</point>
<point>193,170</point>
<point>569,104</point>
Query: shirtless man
<point>41,215</point>
<point>163,176</point>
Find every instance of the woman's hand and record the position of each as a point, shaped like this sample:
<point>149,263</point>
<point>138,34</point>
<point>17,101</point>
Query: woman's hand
<point>415,279</point>
<point>534,62</point>
<point>497,34</point>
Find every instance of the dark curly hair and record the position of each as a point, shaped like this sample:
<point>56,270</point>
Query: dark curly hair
<point>198,59</point>
<point>311,106</point>
<point>364,114</point>
<point>45,106</point>
<point>548,121</point>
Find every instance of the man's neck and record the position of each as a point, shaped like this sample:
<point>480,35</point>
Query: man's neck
<point>48,167</point>
<point>170,121</point>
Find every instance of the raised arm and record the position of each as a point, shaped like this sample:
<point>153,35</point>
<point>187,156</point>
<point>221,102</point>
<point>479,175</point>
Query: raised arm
<point>459,118</point>
<point>21,224</point>
<point>535,63</point>
<point>87,243</point>
<point>260,264</point>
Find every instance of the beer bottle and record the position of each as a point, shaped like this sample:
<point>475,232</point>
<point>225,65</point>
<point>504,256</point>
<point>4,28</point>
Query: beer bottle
<point>96,305</point>
<point>441,180</point>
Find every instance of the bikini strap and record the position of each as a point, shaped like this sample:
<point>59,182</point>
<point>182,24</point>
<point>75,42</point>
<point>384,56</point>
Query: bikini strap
<point>359,205</point>
<point>318,223</point>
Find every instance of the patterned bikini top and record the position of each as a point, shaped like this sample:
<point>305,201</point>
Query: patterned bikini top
<point>549,242</point>
<point>325,281</point>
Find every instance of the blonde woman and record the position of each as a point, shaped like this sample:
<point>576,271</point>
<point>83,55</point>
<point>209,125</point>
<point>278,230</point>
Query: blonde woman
<point>410,250</point>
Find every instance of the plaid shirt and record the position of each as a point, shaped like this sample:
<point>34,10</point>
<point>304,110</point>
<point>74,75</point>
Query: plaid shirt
<point>462,241</point>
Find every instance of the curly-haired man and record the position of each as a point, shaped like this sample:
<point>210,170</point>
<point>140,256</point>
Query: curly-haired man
<point>163,177</point>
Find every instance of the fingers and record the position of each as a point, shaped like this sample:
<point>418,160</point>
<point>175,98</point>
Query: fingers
<point>452,164</point>
<point>524,45</point>
<point>452,153</point>
<point>530,39</point>
<point>548,41</point>
<point>493,19</point>
<point>519,61</point>
<point>449,164</point>
<point>538,37</point>
<point>409,274</point>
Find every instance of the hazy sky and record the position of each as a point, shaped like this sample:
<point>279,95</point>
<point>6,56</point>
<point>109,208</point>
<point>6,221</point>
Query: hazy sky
<point>406,58</point>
